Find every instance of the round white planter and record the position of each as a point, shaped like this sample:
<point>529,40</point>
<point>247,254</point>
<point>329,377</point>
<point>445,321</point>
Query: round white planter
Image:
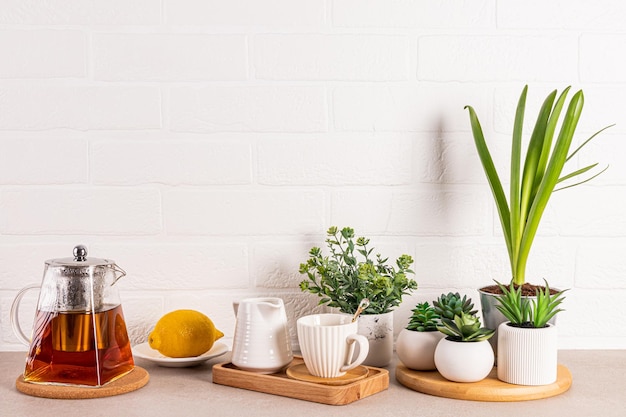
<point>527,356</point>
<point>378,329</point>
<point>416,350</point>
<point>464,361</point>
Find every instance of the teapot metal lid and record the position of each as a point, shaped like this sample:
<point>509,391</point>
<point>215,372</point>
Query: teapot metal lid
<point>78,283</point>
<point>80,260</point>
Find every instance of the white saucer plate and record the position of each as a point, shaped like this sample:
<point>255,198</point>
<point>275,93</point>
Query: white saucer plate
<point>144,351</point>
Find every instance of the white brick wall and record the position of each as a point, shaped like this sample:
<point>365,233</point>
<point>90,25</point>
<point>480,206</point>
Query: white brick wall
<point>197,162</point>
<point>441,14</point>
<point>169,57</point>
<point>80,12</point>
<point>315,57</point>
<point>43,53</point>
<point>413,107</point>
<point>522,58</point>
<point>80,210</point>
<point>255,108</point>
<point>268,13</point>
<point>41,105</point>
<point>207,145</point>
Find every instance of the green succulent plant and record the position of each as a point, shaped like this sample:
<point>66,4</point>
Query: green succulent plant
<point>344,278</point>
<point>424,318</point>
<point>534,179</point>
<point>465,328</point>
<point>522,312</point>
<point>451,305</point>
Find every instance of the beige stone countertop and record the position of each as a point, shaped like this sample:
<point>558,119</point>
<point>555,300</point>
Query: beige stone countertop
<point>598,389</point>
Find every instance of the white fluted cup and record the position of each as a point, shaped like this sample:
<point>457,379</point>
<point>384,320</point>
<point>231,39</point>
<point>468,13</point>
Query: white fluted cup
<point>327,343</point>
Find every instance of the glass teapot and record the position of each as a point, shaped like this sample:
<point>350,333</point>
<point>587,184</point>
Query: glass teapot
<point>79,335</point>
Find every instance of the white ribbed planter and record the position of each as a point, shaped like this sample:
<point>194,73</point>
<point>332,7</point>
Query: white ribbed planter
<point>527,356</point>
<point>416,350</point>
<point>464,361</point>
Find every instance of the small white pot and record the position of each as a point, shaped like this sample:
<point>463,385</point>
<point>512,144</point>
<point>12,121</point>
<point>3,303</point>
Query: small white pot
<point>464,361</point>
<point>416,350</point>
<point>378,329</point>
<point>527,356</point>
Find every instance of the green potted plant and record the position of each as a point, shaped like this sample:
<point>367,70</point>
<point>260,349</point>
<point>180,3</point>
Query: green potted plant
<point>527,345</point>
<point>451,305</point>
<point>531,183</point>
<point>350,274</point>
<point>416,343</point>
<point>465,354</point>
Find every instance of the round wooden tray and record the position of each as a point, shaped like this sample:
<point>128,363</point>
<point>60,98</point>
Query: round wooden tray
<point>489,389</point>
<point>132,381</point>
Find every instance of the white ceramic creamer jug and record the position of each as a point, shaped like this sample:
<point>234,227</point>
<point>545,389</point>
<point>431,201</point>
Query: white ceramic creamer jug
<point>261,342</point>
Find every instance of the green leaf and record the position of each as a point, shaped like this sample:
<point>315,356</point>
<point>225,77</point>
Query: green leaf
<point>532,163</point>
<point>515,194</point>
<point>588,140</point>
<point>553,171</point>
<point>511,304</point>
<point>493,179</point>
<point>547,142</point>
<point>577,172</point>
<point>581,182</point>
<point>545,306</point>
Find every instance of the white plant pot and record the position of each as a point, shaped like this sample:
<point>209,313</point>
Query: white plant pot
<point>378,329</point>
<point>464,361</point>
<point>527,356</point>
<point>416,350</point>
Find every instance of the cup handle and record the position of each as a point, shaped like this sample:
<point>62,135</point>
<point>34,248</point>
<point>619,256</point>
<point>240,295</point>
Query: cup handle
<point>364,347</point>
<point>15,314</point>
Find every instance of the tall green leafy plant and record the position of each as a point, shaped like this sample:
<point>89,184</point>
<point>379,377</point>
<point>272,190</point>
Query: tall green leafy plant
<point>532,184</point>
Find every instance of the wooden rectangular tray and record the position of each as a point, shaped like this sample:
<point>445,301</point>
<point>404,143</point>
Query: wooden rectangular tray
<point>377,380</point>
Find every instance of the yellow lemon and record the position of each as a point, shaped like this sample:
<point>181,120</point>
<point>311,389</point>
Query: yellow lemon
<point>183,333</point>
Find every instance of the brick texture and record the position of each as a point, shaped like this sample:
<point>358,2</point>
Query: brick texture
<point>331,57</point>
<point>207,145</point>
<point>35,54</point>
<point>169,57</point>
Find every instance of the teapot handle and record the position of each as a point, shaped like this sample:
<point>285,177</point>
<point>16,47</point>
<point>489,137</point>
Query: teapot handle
<point>120,271</point>
<point>15,314</point>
